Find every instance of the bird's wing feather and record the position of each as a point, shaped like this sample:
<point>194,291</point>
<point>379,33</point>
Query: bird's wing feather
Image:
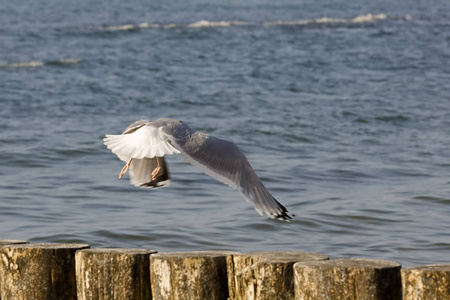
<point>145,141</point>
<point>224,161</point>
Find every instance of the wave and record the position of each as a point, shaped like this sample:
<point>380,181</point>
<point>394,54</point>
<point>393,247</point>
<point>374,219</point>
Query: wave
<point>66,61</point>
<point>145,25</point>
<point>35,64</point>
<point>199,24</point>
<point>30,64</point>
<point>205,23</point>
<point>128,27</point>
<point>368,18</point>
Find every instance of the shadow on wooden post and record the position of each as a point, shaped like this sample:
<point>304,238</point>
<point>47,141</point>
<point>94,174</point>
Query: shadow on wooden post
<point>265,274</point>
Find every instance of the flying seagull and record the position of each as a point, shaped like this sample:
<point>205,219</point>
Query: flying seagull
<point>144,144</point>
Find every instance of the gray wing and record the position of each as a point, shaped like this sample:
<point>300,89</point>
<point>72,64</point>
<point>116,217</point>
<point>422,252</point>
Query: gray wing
<point>224,161</point>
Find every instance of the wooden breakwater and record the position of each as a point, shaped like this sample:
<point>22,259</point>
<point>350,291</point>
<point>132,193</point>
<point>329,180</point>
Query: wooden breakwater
<point>74,271</point>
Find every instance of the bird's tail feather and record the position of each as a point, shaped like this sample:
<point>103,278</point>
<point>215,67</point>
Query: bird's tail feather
<point>141,173</point>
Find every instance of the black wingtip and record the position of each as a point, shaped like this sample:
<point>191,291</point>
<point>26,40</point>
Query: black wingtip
<point>283,214</point>
<point>286,216</point>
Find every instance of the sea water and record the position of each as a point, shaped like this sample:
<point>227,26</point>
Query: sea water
<point>342,108</point>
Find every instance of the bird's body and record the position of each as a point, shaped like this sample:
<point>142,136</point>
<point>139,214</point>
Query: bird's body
<point>144,144</point>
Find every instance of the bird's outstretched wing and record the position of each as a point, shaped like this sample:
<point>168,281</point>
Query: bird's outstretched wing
<point>224,161</point>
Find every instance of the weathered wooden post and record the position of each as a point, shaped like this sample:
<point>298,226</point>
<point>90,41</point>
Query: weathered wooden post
<point>38,271</point>
<point>265,274</point>
<point>9,242</point>
<point>353,278</point>
<point>198,275</point>
<point>113,274</point>
<point>426,282</point>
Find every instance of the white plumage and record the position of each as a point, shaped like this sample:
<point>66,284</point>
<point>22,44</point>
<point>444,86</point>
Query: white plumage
<point>147,141</point>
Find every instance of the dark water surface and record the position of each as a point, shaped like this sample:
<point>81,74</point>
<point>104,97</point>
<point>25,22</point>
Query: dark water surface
<point>343,109</point>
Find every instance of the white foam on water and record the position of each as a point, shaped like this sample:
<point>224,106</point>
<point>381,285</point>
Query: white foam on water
<point>288,23</point>
<point>118,28</point>
<point>65,61</point>
<point>35,64</point>
<point>325,20</point>
<point>205,23</point>
<point>150,26</point>
<point>199,24</point>
<point>126,27</point>
<point>171,25</point>
<point>329,20</point>
<point>30,64</point>
<point>368,18</point>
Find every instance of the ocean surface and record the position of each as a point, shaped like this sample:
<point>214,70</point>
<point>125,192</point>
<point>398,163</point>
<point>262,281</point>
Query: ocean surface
<point>341,107</point>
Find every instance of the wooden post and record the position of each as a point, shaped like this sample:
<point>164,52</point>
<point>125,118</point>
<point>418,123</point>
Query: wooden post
<point>189,275</point>
<point>38,271</point>
<point>265,274</point>
<point>353,278</point>
<point>9,242</point>
<point>426,282</point>
<point>113,274</point>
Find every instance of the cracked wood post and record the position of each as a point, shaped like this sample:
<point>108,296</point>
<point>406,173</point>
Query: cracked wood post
<point>426,282</point>
<point>200,275</point>
<point>9,242</point>
<point>265,274</point>
<point>38,271</point>
<point>352,278</point>
<point>113,274</point>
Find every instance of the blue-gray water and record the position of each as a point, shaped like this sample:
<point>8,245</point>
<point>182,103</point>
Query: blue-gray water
<point>342,108</point>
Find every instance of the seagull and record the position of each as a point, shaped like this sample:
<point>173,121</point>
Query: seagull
<point>144,144</point>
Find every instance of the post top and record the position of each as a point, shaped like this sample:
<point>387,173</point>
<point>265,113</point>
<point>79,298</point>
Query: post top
<point>47,246</point>
<point>193,254</point>
<point>10,242</point>
<point>119,251</point>
<point>286,256</point>
<point>431,268</point>
<point>361,263</point>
